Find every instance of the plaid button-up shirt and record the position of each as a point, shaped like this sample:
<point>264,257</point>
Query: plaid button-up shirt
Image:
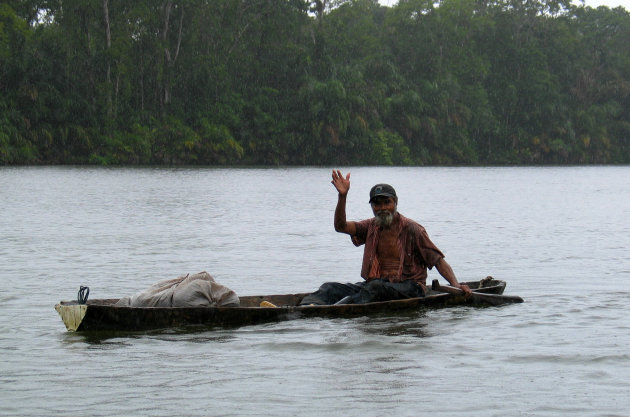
<point>417,251</point>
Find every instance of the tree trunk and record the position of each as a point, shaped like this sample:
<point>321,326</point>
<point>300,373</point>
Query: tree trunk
<point>108,36</point>
<point>170,57</point>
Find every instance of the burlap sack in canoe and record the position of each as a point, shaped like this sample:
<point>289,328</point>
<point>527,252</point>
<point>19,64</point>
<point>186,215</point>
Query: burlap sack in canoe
<point>197,290</point>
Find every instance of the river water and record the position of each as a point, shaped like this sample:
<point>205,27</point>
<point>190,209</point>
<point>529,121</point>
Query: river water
<point>559,236</point>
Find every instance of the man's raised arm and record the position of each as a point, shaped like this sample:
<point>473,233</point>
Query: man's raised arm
<point>343,186</point>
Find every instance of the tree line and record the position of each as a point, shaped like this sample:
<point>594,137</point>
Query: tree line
<point>297,82</point>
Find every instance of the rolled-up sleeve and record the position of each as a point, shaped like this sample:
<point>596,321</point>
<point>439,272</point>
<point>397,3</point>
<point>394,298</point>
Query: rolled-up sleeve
<point>430,253</point>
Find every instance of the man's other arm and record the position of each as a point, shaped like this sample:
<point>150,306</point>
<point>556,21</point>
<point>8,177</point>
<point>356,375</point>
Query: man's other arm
<point>446,271</point>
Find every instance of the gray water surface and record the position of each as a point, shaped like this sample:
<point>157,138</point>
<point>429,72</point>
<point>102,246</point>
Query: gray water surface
<point>558,236</point>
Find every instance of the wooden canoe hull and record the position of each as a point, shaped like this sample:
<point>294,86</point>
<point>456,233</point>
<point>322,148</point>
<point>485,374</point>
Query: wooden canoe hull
<point>101,314</point>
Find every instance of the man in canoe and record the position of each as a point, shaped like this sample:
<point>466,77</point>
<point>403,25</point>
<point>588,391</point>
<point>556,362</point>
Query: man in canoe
<point>396,256</point>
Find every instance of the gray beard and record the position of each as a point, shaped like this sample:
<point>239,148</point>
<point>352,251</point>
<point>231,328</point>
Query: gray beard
<point>384,219</point>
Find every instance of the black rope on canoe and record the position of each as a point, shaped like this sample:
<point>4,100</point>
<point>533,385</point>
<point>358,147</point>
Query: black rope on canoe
<point>82,296</point>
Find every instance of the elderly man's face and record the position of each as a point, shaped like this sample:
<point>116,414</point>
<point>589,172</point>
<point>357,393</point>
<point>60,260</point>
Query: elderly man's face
<point>384,209</point>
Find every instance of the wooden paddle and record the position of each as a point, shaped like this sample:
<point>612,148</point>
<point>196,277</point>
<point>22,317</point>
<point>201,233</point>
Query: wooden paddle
<point>492,299</point>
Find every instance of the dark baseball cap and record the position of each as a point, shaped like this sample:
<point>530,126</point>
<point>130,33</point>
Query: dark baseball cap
<point>384,190</point>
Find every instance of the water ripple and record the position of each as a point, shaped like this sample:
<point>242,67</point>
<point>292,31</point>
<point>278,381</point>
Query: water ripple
<point>544,230</point>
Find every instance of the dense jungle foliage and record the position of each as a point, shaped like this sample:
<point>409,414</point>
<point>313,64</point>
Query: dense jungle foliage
<point>296,82</point>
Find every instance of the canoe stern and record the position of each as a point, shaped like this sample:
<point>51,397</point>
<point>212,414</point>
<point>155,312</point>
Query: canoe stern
<point>72,315</point>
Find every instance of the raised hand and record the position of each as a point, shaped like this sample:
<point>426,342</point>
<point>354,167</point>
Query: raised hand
<point>341,184</point>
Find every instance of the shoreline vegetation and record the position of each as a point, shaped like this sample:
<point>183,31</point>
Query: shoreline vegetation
<point>312,83</point>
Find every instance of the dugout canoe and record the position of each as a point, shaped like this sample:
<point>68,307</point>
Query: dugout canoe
<point>102,314</point>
